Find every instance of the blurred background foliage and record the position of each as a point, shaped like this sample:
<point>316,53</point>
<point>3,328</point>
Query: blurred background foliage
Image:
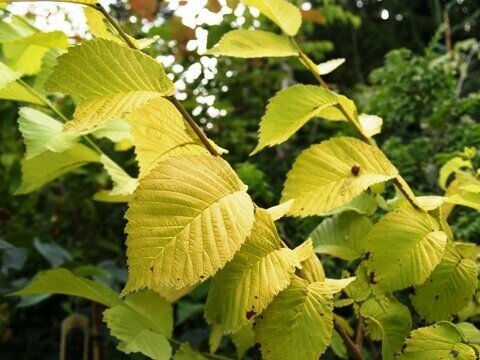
<point>414,63</point>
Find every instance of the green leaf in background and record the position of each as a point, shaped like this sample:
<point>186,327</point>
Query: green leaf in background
<point>48,166</point>
<point>53,253</point>
<point>253,44</point>
<point>99,76</point>
<point>289,110</point>
<point>449,288</point>
<point>342,235</point>
<point>390,324</point>
<point>298,323</point>
<point>94,114</point>
<point>440,341</point>
<point>403,249</point>
<point>281,12</point>
<point>332,173</point>
<point>143,324</point>
<point>182,231</point>
<point>62,281</point>
<point>43,133</point>
<point>258,272</point>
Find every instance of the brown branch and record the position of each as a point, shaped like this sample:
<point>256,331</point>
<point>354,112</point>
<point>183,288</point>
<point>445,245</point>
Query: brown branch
<point>352,347</point>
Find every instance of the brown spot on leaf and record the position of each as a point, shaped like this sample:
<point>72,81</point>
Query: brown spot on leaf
<point>250,314</point>
<point>355,169</point>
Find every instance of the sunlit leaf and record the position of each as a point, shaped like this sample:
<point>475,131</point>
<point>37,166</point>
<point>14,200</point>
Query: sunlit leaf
<point>111,69</point>
<point>253,44</point>
<point>92,115</point>
<point>142,325</point>
<point>187,219</point>
<point>440,341</point>
<point>332,173</point>
<point>449,288</point>
<point>26,54</point>
<point>289,110</point>
<point>281,12</point>
<point>159,131</point>
<point>450,167</point>
<point>259,271</point>
<point>43,133</point>
<point>328,66</point>
<point>298,323</point>
<point>403,248</point>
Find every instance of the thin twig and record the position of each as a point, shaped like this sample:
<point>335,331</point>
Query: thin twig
<point>201,135</point>
<point>117,27</point>
<point>354,349</point>
<point>308,63</point>
<point>359,332</point>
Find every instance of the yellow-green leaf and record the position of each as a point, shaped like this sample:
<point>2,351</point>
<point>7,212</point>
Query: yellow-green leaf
<point>185,352</point>
<point>62,281</point>
<point>449,288</point>
<point>280,210</point>
<point>403,249</point>
<point>115,130</point>
<point>159,131</point>
<point>123,184</point>
<point>390,323</point>
<point>298,323</point>
<point>289,110</point>
<point>10,89</point>
<point>26,54</point>
<point>142,325</point>
<point>243,340</point>
<point>111,69</point>
<point>371,124</point>
<point>43,133</point>
<point>188,218</point>
<point>440,341</point>
<point>101,28</point>
<point>281,12</point>
<point>48,166</point>
<point>312,270</point>
<point>253,44</point>
<point>328,66</point>
<point>343,235</point>
<point>450,167</point>
<point>93,114</point>
<point>332,173</point>
<point>258,272</point>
